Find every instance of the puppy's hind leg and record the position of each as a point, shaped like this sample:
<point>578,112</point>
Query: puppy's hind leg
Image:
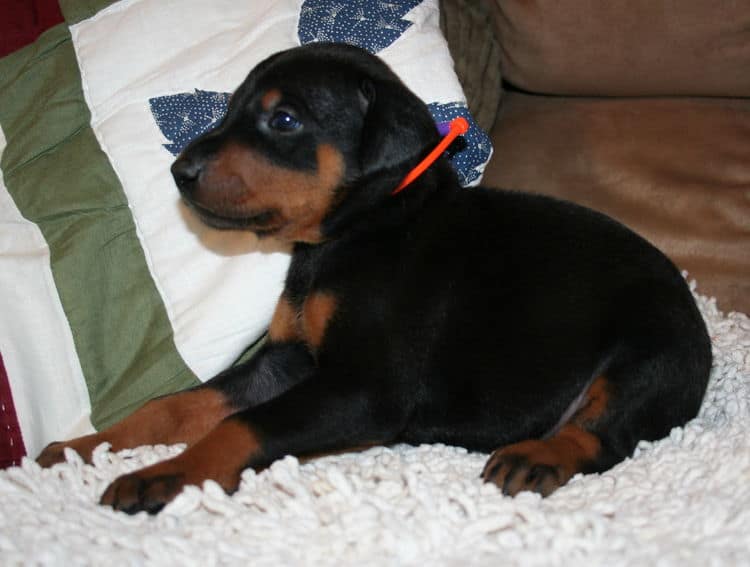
<point>645,392</point>
<point>543,465</point>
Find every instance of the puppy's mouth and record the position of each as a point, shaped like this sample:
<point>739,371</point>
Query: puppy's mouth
<point>262,223</point>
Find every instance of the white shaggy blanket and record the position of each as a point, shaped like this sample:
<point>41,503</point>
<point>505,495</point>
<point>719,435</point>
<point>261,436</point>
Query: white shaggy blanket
<point>684,500</point>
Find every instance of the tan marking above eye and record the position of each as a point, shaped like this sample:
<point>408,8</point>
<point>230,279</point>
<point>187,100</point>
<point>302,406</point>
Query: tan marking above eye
<point>270,99</point>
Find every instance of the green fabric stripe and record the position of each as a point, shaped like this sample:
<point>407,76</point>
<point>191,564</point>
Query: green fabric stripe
<point>61,180</point>
<point>78,10</point>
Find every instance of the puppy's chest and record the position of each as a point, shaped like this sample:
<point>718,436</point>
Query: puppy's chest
<point>303,319</point>
<point>326,287</point>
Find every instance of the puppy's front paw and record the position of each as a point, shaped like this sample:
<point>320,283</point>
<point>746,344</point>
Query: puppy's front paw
<point>52,454</point>
<point>55,452</point>
<point>140,491</point>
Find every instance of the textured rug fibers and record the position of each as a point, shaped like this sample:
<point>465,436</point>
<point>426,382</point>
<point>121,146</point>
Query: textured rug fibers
<point>683,501</point>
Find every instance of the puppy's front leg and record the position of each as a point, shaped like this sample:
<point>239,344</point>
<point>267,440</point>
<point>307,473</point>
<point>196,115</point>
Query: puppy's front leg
<point>187,416</point>
<point>314,416</point>
<point>176,418</point>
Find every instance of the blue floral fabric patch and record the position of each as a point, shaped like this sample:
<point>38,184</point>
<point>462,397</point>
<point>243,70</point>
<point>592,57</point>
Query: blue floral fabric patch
<point>477,146</point>
<point>370,24</point>
<point>185,116</point>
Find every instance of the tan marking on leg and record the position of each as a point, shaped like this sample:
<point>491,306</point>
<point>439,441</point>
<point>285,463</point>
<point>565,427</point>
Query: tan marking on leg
<point>184,417</point>
<point>574,447</point>
<point>285,324</point>
<point>220,456</point>
<point>317,311</point>
<point>595,402</point>
<point>542,465</point>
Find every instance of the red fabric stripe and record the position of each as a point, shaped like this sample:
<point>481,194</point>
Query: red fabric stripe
<point>11,441</point>
<point>21,21</point>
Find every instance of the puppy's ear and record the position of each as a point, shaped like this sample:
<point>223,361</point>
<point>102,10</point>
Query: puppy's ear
<point>397,127</point>
<point>366,94</point>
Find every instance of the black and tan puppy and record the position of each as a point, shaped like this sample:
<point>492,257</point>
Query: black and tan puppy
<point>494,320</point>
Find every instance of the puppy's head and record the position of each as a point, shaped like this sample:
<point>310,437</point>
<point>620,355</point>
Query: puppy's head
<point>311,130</point>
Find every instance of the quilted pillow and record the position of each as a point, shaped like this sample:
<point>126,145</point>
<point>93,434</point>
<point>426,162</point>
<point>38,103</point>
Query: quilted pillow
<point>110,292</point>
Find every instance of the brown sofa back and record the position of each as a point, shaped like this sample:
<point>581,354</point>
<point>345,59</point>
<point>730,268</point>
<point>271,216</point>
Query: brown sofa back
<point>639,109</point>
<point>626,47</point>
<point>675,170</point>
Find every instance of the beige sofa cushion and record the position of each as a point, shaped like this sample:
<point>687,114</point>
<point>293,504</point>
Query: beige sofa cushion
<point>675,170</point>
<point>626,47</point>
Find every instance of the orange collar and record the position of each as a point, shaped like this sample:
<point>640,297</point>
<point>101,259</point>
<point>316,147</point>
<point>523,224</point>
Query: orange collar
<point>458,127</point>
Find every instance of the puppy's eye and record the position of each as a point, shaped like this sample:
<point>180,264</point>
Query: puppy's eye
<point>283,121</point>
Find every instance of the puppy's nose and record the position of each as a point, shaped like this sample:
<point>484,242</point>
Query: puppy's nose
<point>186,172</point>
